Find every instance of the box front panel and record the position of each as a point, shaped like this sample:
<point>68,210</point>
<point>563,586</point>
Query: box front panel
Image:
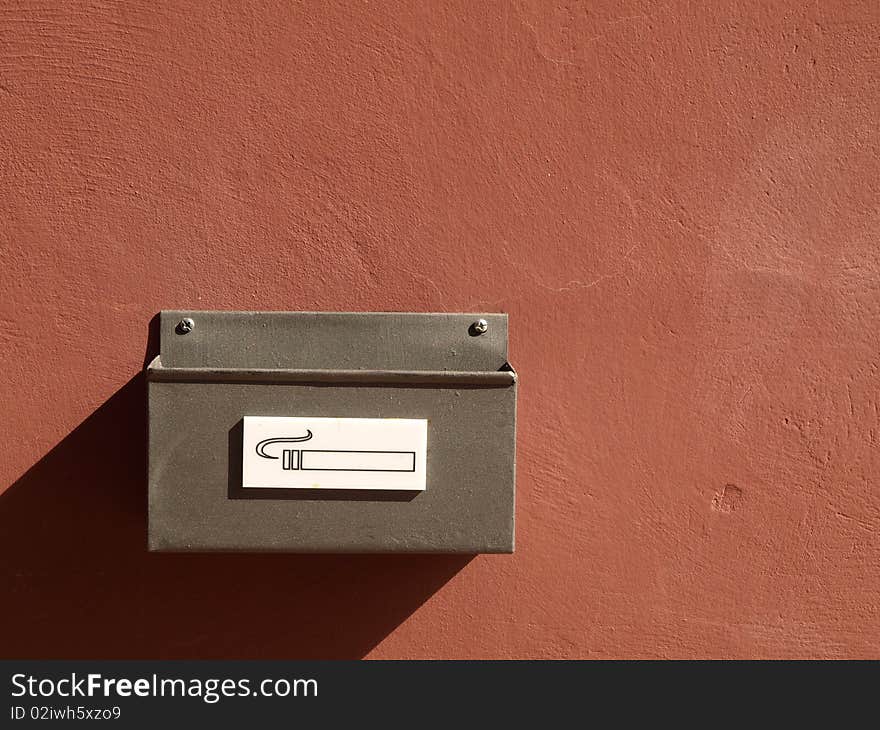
<point>199,501</point>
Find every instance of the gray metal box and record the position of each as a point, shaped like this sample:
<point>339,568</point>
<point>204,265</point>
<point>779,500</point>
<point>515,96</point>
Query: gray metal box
<point>216,368</point>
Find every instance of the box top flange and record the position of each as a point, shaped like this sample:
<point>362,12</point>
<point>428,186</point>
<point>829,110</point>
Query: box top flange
<point>347,341</point>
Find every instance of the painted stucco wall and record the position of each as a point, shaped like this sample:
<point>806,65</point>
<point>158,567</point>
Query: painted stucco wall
<point>676,202</point>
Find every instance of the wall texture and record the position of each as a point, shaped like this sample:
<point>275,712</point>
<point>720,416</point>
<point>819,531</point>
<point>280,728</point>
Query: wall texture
<point>676,202</point>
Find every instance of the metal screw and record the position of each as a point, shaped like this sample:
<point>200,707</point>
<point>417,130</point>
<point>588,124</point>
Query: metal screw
<point>185,326</point>
<point>479,327</point>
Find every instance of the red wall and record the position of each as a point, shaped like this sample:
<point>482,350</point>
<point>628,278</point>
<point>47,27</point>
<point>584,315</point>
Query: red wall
<point>676,202</point>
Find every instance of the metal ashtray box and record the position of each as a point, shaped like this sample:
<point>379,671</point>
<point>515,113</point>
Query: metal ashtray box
<point>331,432</point>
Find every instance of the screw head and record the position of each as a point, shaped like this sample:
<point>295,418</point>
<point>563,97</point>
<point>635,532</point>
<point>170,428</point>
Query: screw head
<point>185,326</point>
<point>479,327</point>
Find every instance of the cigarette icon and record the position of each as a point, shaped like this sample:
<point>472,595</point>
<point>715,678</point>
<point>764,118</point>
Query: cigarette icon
<point>327,460</point>
<point>337,459</point>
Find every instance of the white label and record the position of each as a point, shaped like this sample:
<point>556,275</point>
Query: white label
<point>334,453</point>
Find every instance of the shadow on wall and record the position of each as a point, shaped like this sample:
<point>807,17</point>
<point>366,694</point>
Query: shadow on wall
<point>78,581</point>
